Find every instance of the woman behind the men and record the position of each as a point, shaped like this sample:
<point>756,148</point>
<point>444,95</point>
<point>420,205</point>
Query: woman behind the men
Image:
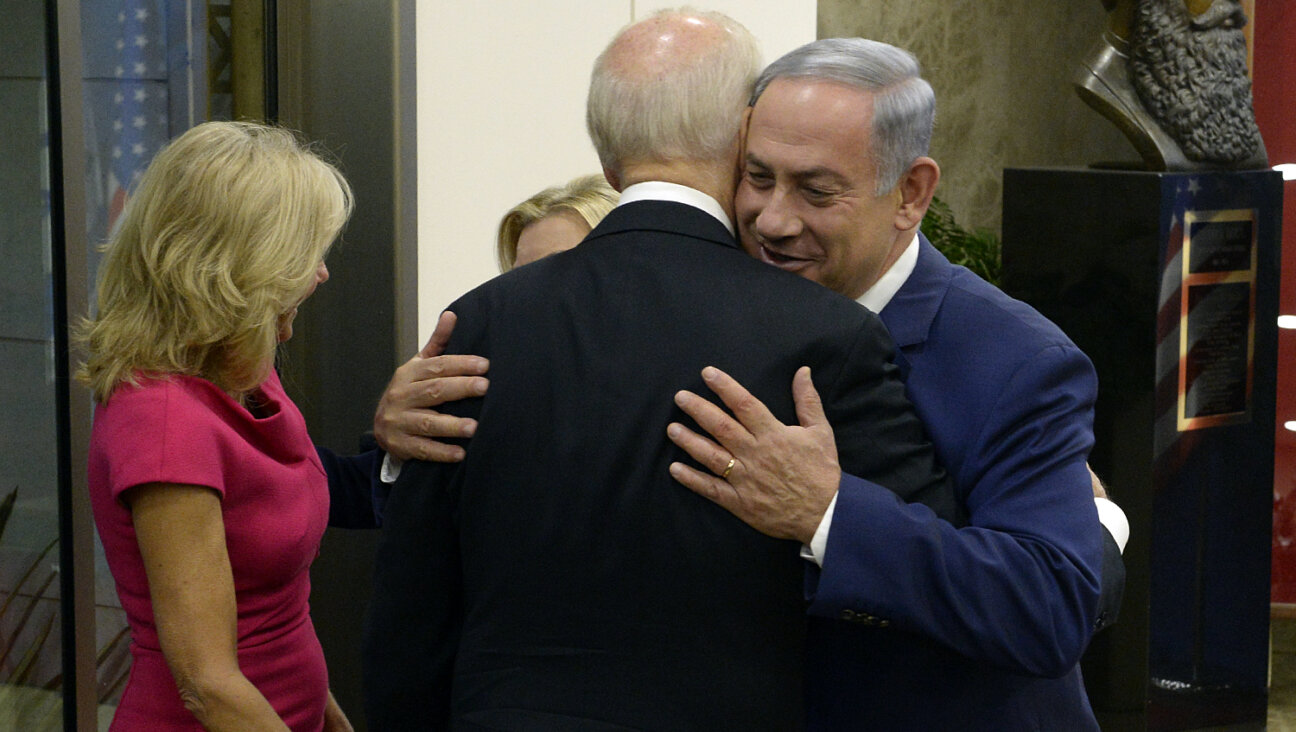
<point>553,220</point>
<point>207,493</point>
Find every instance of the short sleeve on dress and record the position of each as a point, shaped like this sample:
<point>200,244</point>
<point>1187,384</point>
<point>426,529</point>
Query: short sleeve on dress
<point>165,431</point>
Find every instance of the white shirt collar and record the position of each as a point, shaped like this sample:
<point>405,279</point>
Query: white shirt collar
<point>657,190</point>
<point>879,295</point>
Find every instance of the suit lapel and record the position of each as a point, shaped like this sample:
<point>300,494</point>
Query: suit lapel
<point>910,313</point>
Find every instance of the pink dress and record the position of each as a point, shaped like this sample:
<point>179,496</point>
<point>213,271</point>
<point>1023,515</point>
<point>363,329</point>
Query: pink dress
<point>275,504</point>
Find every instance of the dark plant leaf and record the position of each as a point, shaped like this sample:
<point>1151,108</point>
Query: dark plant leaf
<point>979,250</point>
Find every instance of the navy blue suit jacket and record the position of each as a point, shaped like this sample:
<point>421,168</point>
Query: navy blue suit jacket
<point>919,625</point>
<point>355,488</point>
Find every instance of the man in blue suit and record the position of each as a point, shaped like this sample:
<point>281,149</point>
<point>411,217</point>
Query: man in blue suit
<point>915,624</point>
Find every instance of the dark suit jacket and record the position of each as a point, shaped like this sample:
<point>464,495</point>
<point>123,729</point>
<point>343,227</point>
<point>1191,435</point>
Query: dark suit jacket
<point>559,578</point>
<point>984,625</point>
<point>355,487</point>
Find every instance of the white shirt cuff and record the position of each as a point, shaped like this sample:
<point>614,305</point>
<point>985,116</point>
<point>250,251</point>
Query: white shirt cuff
<point>818,545</point>
<point>391,468</point>
<point>1109,515</point>
<point>1113,518</point>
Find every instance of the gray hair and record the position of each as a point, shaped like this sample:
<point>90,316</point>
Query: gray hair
<point>904,105</point>
<point>686,108</point>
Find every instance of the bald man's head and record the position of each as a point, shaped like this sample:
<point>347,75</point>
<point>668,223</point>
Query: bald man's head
<point>671,87</point>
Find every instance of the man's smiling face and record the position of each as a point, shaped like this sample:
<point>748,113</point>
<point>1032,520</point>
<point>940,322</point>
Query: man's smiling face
<point>807,200</point>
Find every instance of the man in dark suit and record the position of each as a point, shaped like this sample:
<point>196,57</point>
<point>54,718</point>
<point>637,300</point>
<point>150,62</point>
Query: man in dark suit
<point>979,627</point>
<point>557,578</point>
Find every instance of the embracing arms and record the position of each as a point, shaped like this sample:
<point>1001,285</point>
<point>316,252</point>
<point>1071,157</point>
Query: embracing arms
<point>405,424</point>
<point>407,421</point>
<point>1018,587</point>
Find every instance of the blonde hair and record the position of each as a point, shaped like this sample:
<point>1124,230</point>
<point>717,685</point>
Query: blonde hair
<point>223,234</point>
<point>589,196</point>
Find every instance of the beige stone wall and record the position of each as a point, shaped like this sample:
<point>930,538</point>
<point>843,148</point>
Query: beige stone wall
<point>1002,73</point>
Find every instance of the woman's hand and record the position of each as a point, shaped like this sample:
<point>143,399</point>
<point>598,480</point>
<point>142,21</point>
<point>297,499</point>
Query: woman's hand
<point>335,720</point>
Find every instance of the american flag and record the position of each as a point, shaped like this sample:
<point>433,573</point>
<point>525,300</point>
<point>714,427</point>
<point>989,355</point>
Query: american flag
<point>136,58</point>
<point>1213,442</point>
<point>1169,317</point>
<point>1218,297</point>
<point>126,87</point>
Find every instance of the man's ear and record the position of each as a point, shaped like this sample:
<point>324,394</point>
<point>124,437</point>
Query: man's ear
<point>742,133</point>
<point>915,189</point>
<point>740,164</point>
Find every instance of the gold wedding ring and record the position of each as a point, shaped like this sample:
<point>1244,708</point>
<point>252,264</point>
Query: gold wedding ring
<point>728,469</point>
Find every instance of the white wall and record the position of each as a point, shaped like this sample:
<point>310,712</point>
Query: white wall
<point>501,90</point>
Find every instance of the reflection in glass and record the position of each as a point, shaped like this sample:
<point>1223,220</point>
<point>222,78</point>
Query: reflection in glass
<point>139,92</point>
<point>144,81</point>
<point>30,647</point>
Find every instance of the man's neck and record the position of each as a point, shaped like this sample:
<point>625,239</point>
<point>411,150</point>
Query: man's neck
<point>658,190</point>
<point>893,277</point>
<point>715,180</point>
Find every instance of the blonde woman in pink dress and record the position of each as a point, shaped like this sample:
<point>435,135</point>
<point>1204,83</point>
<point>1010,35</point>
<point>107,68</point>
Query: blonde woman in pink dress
<point>207,492</point>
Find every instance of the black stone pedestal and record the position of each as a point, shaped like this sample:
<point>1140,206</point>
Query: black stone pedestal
<point>1169,282</point>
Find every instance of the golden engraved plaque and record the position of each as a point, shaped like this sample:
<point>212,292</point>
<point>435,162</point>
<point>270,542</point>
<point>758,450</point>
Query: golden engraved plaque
<point>1217,318</point>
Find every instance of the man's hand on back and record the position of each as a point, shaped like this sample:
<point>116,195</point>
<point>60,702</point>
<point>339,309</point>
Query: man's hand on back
<point>406,423</point>
<point>777,478</point>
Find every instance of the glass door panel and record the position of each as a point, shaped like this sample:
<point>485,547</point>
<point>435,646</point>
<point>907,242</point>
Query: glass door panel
<point>140,76</point>
<point>30,642</point>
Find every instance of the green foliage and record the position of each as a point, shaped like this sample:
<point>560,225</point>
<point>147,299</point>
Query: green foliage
<point>978,250</point>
